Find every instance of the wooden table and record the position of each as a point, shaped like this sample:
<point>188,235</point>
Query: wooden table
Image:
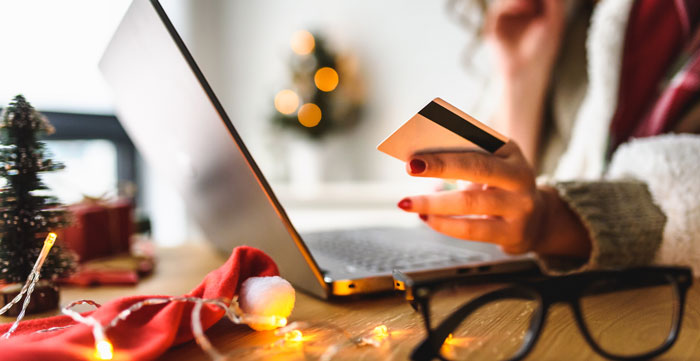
<point>180,269</point>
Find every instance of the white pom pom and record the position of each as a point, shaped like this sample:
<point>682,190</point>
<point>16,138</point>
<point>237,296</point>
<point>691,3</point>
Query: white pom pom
<point>266,296</point>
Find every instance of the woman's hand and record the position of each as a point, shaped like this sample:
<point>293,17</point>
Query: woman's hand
<point>526,34</point>
<point>510,211</point>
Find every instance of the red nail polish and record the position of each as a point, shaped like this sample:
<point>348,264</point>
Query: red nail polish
<point>405,204</point>
<point>424,217</point>
<point>417,166</point>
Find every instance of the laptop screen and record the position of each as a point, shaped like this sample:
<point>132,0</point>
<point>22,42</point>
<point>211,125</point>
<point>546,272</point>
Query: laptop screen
<point>174,118</point>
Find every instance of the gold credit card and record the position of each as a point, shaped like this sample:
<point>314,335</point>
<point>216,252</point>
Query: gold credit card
<point>439,126</point>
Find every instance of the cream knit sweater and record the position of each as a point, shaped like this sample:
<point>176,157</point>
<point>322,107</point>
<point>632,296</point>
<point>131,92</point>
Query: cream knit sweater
<point>644,207</point>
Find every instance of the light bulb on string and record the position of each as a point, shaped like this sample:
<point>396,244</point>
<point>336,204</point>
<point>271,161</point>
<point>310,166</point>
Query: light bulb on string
<point>326,79</point>
<point>380,332</point>
<point>290,334</point>
<point>302,42</point>
<point>293,336</point>
<point>104,350</point>
<point>278,321</point>
<point>309,115</point>
<point>29,285</point>
<point>286,101</point>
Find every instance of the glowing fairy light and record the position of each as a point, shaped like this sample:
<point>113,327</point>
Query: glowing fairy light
<point>309,115</point>
<point>374,338</point>
<point>29,285</point>
<point>50,239</point>
<point>286,101</point>
<point>451,346</point>
<point>302,42</point>
<point>326,79</point>
<point>380,332</point>
<point>104,350</point>
<point>293,336</point>
<point>278,321</point>
<point>48,243</point>
<point>290,333</point>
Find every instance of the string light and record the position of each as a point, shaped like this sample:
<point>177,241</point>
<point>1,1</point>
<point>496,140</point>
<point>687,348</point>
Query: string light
<point>293,336</point>
<point>232,312</point>
<point>309,115</point>
<point>376,337</point>
<point>29,285</point>
<point>302,42</point>
<point>380,332</point>
<point>452,345</point>
<point>291,333</point>
<point>104,350</point>
<point>326,79</point>
<point>278,321</point>
<point>286,101</point>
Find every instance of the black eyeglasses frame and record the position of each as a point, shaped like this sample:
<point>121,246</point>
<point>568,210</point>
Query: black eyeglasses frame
<point>546,291</point>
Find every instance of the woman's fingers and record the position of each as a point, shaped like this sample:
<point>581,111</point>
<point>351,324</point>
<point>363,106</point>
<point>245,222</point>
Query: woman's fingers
<point>492,230</point>
<point>492,201</point>
<point>507,211</point>
<point>506,168</point>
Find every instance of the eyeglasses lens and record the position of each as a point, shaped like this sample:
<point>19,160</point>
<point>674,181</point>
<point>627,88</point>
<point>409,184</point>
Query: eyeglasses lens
<point>628,317</point>
<point>494,331</point>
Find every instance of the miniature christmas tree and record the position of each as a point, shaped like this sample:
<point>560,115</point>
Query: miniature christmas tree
<point>326,93</point>
<point>27,212</point>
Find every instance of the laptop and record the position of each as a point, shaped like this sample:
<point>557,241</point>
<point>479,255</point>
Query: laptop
<point>177,123</point>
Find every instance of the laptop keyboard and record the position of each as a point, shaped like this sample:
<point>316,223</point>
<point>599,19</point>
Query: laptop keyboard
<point>365,251</point>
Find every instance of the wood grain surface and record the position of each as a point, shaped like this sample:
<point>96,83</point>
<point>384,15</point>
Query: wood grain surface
<point>338,323</point>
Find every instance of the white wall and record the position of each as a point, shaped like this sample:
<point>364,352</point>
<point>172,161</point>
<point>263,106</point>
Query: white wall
<point>50,51</point>
<point>409,53</point>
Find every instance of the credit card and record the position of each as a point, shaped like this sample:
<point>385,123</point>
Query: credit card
<point>440,126</point>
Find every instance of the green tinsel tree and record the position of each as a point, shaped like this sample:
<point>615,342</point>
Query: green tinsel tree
<point>27,212</point>
<point>341,107</point>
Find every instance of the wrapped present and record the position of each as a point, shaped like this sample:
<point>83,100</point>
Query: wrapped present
<point>100,228</point>
<point>125,269</point>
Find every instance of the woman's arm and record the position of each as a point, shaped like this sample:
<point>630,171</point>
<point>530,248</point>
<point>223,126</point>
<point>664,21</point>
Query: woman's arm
<point>525,36</point>
<point>669,165</point>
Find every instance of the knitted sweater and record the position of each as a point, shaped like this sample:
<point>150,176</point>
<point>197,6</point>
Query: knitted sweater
<point>644,206</point>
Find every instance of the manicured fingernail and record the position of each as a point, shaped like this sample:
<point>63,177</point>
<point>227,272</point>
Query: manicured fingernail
<point>417,166</point>
<point>405,204</point>
<point>423,217</point>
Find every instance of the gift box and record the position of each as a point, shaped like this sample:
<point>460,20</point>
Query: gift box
<point>100,228</point>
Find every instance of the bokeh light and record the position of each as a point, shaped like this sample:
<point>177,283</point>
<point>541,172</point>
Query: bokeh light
<point>278,321</point>
<point>104,350</point>
<point>302,42</point>
<point>293,336</point>
<point>380,331</point>
<point>309,115</point>
<point>326,79</point>
<point>286,101</point>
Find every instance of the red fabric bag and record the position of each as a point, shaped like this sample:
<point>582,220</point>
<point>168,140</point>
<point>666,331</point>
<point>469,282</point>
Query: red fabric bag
<point>147,333</point>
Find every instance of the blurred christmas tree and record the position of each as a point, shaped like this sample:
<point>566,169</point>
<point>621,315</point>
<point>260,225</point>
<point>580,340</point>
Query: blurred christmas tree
<point>326,93</point>
<point>27,213</point>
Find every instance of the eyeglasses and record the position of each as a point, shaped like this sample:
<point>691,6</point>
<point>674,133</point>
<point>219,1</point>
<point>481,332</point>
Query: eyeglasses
<point>623,315</point>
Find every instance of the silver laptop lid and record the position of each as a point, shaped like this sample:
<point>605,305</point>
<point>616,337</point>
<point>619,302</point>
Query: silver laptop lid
<point>177,123</point>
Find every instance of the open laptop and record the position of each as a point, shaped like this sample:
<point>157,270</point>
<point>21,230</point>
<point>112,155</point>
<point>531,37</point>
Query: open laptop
<point>177,123</point>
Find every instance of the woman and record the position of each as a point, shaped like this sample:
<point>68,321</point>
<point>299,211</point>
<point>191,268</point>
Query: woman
<point>604,120</point>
